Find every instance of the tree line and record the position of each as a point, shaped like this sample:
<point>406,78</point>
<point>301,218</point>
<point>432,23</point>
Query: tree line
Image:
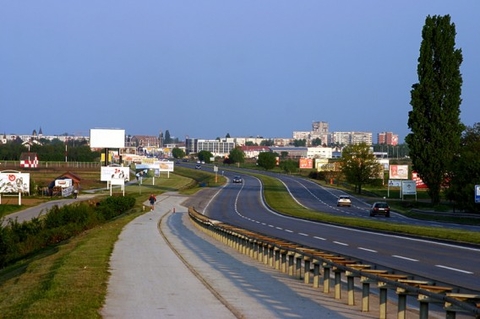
<point>50,150</point>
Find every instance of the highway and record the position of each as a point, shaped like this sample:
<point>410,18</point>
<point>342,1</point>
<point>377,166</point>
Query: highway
<point>242,205</point>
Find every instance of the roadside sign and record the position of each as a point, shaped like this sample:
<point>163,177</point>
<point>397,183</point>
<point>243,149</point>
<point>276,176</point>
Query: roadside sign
<point>477,193</point>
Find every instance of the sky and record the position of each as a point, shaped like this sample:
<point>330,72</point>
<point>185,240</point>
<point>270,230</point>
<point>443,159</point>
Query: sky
<point>205,69</point>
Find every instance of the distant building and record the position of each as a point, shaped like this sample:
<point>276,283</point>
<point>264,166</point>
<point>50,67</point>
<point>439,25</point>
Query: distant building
<point>28,160</point>
<point>254,151</point>
<point>387,138</point>
<point>350,138</point>
<point>216,147</point>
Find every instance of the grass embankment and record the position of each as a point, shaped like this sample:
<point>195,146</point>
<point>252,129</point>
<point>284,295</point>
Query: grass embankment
<point>70,280</point>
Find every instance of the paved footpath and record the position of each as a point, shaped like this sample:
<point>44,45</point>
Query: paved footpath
<point>176,271</point>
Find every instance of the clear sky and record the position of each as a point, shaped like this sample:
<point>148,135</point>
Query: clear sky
<point>207,68</point>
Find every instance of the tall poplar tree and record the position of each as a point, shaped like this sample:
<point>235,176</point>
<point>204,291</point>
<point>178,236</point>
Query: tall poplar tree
<point>434,120</point>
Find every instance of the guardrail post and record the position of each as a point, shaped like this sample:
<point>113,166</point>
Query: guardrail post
<point>291,261</point>
<point>283,260</point>
<point>277,258</point>
<point>326,277</point>
<point>338,283</point>
<point>271,259</point>
<point>244,245</point>
<point>383,300</point>
<point>306,271</point>
<point>365,293</point>
<point>402,306</point>
<point>298,265</point>
<point>350,288</point>
<point>316,274</point>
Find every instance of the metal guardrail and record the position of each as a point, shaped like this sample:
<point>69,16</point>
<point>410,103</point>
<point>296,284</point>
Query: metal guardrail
<point>309,264</point>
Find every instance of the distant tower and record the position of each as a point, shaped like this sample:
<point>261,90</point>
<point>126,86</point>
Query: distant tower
<point>160,139</point>
<point>40,133</point>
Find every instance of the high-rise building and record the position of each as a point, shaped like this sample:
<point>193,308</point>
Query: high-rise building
<point>387,138</point>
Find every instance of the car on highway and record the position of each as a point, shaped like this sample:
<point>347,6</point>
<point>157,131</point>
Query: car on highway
<point>380,208</point>
<point>198,166</point>
<point>237,179</point>
<point>344,200</point>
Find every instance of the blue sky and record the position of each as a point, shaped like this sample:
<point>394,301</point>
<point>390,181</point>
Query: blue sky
<point>207,68</point>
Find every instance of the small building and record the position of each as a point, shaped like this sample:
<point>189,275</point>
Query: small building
<point>28,160</point>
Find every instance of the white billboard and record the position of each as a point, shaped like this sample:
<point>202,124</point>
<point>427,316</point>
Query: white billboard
<point>108,173</point>
<point>398,172</point>
<point>14,182</point>
<point>162,166</point>
<point>107,138</point>
<point>63,183</point>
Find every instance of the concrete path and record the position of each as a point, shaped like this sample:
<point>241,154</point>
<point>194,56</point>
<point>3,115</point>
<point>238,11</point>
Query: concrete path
<point>176,271</point>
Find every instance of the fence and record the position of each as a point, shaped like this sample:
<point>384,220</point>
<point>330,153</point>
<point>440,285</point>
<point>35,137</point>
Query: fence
<point>309,264</point>
<point>43,164</point>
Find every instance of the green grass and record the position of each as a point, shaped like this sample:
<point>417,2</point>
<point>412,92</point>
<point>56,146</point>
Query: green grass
<point>70,280</point>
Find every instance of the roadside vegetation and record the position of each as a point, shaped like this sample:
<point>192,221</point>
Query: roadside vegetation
<point>67,279</point>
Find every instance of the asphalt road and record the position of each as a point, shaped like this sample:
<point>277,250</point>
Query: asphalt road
<point>242,205</point>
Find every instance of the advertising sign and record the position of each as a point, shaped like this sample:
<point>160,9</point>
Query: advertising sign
<point>14,182</point>
<point>398,172</point>
<point>418,180</point>
<point>67,182</point>
<point>107,138</point>
<point>107,173</point>
<point>165,166</point>
<point>306,163</point>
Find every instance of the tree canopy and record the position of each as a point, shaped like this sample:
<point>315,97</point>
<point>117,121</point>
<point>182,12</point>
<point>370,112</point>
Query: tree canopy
<point>267,160</point>
<point>178,153</point>
<point>434,120</point>
<point>205,156</point>
<point>465,170</point>
<point>359,165</point>
<point>236,155</point>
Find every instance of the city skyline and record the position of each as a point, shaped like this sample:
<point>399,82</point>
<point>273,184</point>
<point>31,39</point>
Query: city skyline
<point>211,68</point>
<point>327,137</point>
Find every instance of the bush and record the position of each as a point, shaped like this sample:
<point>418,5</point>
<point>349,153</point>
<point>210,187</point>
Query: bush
<point>18,240</point>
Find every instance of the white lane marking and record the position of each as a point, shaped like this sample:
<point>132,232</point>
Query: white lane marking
<point>289,231</point>
<point>303,234</point>
<point>279,228</point>
<point>405,258</point>
<point>340,243</point>
<point>367,249</point>
<point>320,238</point>
<point>454,269</point>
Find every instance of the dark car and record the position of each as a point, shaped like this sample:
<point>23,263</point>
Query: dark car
<point>237,179</point>
<point>380,208</point>
<point>198,166</point>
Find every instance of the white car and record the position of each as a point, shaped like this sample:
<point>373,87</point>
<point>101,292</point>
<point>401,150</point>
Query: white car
<point>344,200</point>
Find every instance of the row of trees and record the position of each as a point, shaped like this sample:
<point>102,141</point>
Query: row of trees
<point>52,151</point>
